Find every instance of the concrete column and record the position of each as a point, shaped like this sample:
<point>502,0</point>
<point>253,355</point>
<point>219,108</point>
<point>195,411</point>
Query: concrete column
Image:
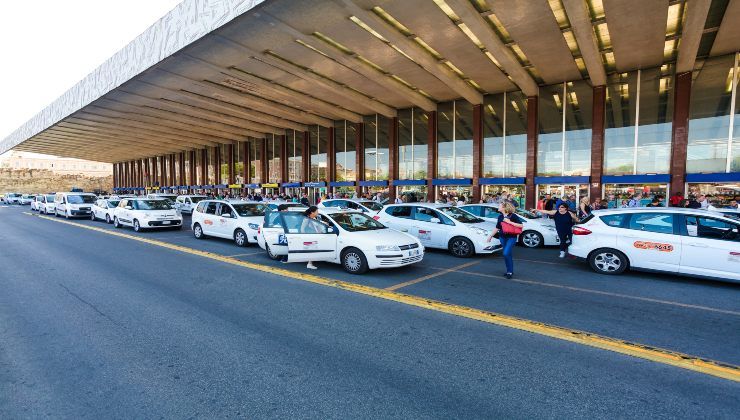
<point>306,157</point>
<point>263,161</point>
<point>477,149</point>
<point>193,175</point>
<point>597,141</point>
<point>172,179</point>
<point>431,155</point>
<point>247,162</point>
<point>217,163</point>
<point>532,131</point>
<point>284,156</point>
<point>181,169</point>
<point>680,132</point>
<point>203,167</point>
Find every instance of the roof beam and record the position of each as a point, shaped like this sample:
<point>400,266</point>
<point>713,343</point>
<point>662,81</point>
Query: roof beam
<point>277,91</point>
<point>421,57</point>
<point>483,31</point>
<point>693,29</point>
<point>385,80</point>
<point>580,21</point>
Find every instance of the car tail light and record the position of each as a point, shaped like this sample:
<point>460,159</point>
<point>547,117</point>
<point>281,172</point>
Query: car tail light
<point>259,230</point>
<point>578,230</point>
<point>376,217</point>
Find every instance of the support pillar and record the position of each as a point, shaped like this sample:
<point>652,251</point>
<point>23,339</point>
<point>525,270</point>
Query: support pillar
<point>680,132</point>
<point>284,158</point>
<point>217,164</point>
<point>306,157</point>
<point>531,171</point>
<point>263,162</point>
<point>477,149</point>
<point>331,157</point>
<point>172,179</point>
<point>181,169</point>
<point>139,174</point>
<point>203,167</point>
<point>431,155</point>
<point>247,163</point>
<point>597,141</point>
<point>230,163</point>
<point>392,158</point>
<point>193,175</point>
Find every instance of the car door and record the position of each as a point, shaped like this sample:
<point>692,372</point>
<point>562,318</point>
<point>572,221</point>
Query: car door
<point>431,233</point>
<point>711,247</point>
<point>651,241</point>
<point>308,239</point>
<point>399,218</point>
<point>226,220</point>
<point>210,219</point>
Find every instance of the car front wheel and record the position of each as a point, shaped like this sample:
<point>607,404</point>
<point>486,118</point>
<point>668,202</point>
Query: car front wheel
<point>608,261</point>
<point>271,254</point>
<point>107,219</point>
<point>461,247</point>
<point>240,237</point>
<point>137,226</point>
<point>354,261</point>
<point>116,223</point>
<point>532,239</point>
<point>92,216</point>
<point>198,232</point>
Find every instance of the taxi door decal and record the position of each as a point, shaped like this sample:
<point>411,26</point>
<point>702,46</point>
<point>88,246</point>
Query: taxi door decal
<point>425,235</point>
<point>653,245</point>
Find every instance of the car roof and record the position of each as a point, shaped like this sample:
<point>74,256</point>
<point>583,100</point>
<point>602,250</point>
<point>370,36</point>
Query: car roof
<point>431,205</point>
<point>676,210</point>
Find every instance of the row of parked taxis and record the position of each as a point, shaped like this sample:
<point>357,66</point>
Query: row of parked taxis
<point>362,235</point>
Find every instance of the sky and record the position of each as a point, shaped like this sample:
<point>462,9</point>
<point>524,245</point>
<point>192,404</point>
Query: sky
<point>47,46</point>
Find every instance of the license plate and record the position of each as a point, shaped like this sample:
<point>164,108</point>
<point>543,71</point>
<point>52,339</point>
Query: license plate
<point>166,222</point>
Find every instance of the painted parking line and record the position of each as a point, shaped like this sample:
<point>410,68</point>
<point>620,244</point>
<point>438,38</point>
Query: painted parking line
<point>667,357</point>
<point>244,255</point>
<point>431,276</point>
<point>603,293</point>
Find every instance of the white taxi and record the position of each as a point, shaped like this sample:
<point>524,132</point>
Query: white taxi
<point>184,204</point>
<point>365,206</point>
<point>350,238</point>
<point>35,202</point>
<point>46,204</point>
<point>25,199</point>
<point>675,240</point>
<point>236,220</point>
<point>441,226</point>
<point>103,209</point>
<point>144,213</point>
<point>535,233</point>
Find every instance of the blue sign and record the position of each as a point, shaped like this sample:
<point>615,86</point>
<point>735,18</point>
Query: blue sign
<point>314,184</point>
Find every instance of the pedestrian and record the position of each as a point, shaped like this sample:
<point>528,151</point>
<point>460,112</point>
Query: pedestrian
<point>508,226</point>
<point>597,204</point>
<point>693,203</point>
<point>307,227</point>
<point>655,203</point>
<point>398,200</point>
<point>304,200</point>
<point>564,221</point>
<point>676,199</point>
<point>703,201</point>
<point>584,209</point>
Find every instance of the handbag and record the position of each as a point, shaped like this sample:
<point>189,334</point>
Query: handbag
<point>510,229</point>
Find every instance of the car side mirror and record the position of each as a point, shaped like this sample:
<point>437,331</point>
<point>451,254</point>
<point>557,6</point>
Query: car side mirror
<point>128,208</point>
<point>331,229</point>
<point>434,220</point>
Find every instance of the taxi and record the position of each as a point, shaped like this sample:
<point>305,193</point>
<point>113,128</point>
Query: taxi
<point>236,220</point>
<point>184,204</point>
<point>536,232</point>
<point>363,205</point>
<point>103,209</point>
<point>350,238</point>
<point>46,204</point>
<point>144,213</point>
<point>441,226</point>
<point>691,242</point>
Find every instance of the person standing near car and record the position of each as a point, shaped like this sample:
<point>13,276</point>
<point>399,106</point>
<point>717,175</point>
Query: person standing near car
<point>508,226</point>
<point>584,209</point>
<point>564,221</point>
<point>306,227</point>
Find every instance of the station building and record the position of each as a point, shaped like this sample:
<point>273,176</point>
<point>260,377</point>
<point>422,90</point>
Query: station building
<point>430,97</point>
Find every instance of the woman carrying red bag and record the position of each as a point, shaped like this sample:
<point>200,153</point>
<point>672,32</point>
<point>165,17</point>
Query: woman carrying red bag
<point>509,226</point>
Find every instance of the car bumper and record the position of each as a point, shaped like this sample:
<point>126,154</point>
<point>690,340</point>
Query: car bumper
<point>162,223</point>
<point>392,259</point>
<point>79,213</point>
<point>488,247</point>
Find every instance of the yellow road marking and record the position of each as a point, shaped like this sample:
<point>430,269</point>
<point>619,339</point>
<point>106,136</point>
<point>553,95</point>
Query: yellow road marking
<point>600,292</point>
<point>244,255</point>
<point>431,276</point>
<point>668,357</point>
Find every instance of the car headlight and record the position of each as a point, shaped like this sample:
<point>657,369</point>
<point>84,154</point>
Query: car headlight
<point>253,226</point>
<point>479,231</point>
<point>387,248</point>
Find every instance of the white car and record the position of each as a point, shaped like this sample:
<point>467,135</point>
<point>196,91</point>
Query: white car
<point>12,198</point>
<point>46,204</point>
<point>350,238</point>
<point>35,201</point>
<point>273,205</point>
<point>535,233</point>
<point>103,209</point>
<point>144,213</point>
<point>25,199</point>
<point>169,197</point>
<point>675,240</point>
<point>73,204</point>
<point>185,204</point>
<point>441,226</point>
<point>365,206</point>
<point>238,220</point>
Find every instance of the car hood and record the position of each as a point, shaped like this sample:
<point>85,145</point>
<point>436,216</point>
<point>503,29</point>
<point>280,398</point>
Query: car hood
<point>381,237</point>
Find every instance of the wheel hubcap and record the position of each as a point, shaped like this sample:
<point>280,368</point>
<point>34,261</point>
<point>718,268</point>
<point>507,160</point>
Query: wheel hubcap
<point>240,238</point>
<point>198,232</point>
<point>352,261</point>
<point>460,248</point>
<point>607,262</point>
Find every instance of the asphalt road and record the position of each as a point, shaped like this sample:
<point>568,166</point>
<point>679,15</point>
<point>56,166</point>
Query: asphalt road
<point>97,326</point>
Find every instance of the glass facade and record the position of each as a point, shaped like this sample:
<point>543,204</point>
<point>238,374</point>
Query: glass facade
<point>211,171</point>
<point>255,154</point>
<point>565,117</point>
<point>188,176</point>
<point>295,156</point>
<point>505,135</point>
<point>318,138</point>
<point>224,167</point>
<point>198,164</point>
<point>273,158</point>
<point>178,181</point>
<point>455,140</point>
<point>413,137</point>
<point>639,111</point>
<point>377,136</point>
<point>239,163</point>
<point>345,149</point>
<point>713,129</point>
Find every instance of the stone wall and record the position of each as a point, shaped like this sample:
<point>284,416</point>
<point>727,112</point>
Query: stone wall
<point>31,181</point>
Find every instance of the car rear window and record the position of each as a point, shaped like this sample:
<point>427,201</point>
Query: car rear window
<point>401,211</point>
<point>613,220</point>
<point>652,222</point>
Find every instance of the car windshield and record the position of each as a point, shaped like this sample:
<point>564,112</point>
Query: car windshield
<point>356,222</point>
<point>249,210</point>
<point>113,203</point>
<point>460,215</point>
<point>50,198</point>
<point>80,199</point>
<point>372,205</point>
<point>526,214</point>
<point>27,196</point>
<point>153,205</point>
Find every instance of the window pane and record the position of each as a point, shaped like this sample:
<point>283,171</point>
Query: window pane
<point>463,139</point>
<point>735,162</point>
<point>709,121</point>
<point>652,222</point>
<point>445,163</point>
<point>371,128</point>
<point>318,137</point>
<point>421,139</point>
<point>211,165</point>
<point>579,116</point>
<point>295,151</point>
<point>256,160</point>
<point>273,152</point>
<point>516,135</point>
<point>549,143</point>
<point>239,163</point>
<point>619,136</point>
<point>382,150</point>
<point>405,144</point>
<point>493,136</point>
<point>345,136</point>
<point>656,115</point>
